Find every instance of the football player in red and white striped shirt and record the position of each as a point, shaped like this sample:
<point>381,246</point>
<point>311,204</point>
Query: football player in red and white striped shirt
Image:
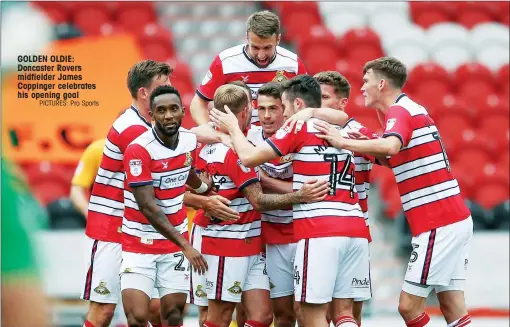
<point>155,248</point>
<point>332,230</point>
<point>106,207</point>
<point>236,266</point>
<point>335,94</point>
<point>257,62</point>
<point>440,221</point>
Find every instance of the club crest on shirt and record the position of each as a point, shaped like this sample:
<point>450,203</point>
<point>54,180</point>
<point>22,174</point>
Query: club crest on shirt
<point>390,123</point>
<point>101,289</point>
<point>285,159</point>
<point>189,159</point>
<point>207,77</point>
<point>200,293</point>
<point>243,168</point>
<point>280,76</point>
<point>135,167</point>
<point>236,289</point>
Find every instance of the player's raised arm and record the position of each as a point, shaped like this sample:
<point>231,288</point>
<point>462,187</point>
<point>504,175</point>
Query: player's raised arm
<point>332,116</point>
<point>312,191</point>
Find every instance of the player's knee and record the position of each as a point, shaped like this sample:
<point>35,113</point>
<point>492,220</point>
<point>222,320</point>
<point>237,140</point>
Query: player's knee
<point>264,316</point>
<point>101,313</point>
<point>136,321</point>
<point>284,317</point>
<point>154,311</point>
<point>406,309</point>
<point>173,316</point>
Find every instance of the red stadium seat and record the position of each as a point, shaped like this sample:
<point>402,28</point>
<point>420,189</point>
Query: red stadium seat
<point>133,17</point>
<point>57,12</point>
<point>470,14</point>
<point>293,17</point>
<point>361,45</point>
<point>494,125</point>
<point>491,191</point>
<point>472,155</point>
<point>448,104</point>
<point>504,160</point>
<point>465,180</point>
<point>474,81</point>
<point>156,42</point>
<point>392,201</point>
<point>318,50</point>
<point>503,79</point>
<point>49,181</point>
<point>91,20</point>
<point>452,123</point>
<point>429,80</point>
<point>429,13</point>
<point>181,77</point>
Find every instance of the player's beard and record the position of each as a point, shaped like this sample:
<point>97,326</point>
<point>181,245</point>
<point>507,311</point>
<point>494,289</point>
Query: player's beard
<point>166,131</point>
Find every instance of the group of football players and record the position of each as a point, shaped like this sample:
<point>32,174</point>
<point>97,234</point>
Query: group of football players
<point>279,175</point>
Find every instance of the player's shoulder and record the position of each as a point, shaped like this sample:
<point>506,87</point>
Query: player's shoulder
<point>187,135</point>
<point>310,126</point>
<point>254,133</point>
<point>406,104</point>
<point>286,53</point>
<point>215,152</point>
<point>144,139</point>
<point>231,52</point>
<point>127,119</point>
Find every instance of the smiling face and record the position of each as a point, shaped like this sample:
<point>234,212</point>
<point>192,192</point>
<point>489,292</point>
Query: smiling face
<point>270,114</point>
<point>262,50</point>
<point>330,99</point>
<point>372,88</point>
<point>167,113</point>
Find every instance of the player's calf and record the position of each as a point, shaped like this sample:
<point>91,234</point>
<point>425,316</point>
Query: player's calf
<point>356,311</point>
<point>219,313</point>
<point>155,312</point>
<point>314,314</point>
<point>100,314</point>
<point>453,306</point>
<point>202,315</point>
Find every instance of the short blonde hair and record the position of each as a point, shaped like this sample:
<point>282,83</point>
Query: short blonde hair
<point>264,24</point>
<point>231,95</point>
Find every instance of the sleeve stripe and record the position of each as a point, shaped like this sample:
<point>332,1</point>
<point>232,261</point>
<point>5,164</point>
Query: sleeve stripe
<point>203,97</point>
<point>275,148</point>
<point>140,183</point>
<point>395,134</point>
<point>248,182</point>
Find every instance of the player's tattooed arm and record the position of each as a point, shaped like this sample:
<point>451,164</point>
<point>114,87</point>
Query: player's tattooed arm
<point>274,185</point>
<point>312,191</point>
<point>144,196</point>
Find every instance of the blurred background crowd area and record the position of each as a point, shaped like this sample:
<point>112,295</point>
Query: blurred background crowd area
<point>457,54</point>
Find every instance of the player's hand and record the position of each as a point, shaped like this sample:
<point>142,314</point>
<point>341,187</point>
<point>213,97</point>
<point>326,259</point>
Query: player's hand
<point>226,120</point>
<point>195,259</point>
<point>357,135</point>
<point>314,190</point>
<point>330,134</point>
<point>298,119</point>
<point>217,206</point>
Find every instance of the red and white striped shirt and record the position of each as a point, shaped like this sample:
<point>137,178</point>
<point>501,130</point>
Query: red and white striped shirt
<point>241,238</point>
<point>276,224</point>
<point>340,213</point>
<point>363,164</point>
<point>149,161</point>
<point>234,64</point>
<point>106,205</point>
<point>429,192</point>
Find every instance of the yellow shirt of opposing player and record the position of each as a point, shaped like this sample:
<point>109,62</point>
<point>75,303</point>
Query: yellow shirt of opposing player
<point>88,166</point>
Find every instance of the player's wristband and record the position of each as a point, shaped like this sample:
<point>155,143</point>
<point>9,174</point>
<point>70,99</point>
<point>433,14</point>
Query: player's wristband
<point>202,189</point>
